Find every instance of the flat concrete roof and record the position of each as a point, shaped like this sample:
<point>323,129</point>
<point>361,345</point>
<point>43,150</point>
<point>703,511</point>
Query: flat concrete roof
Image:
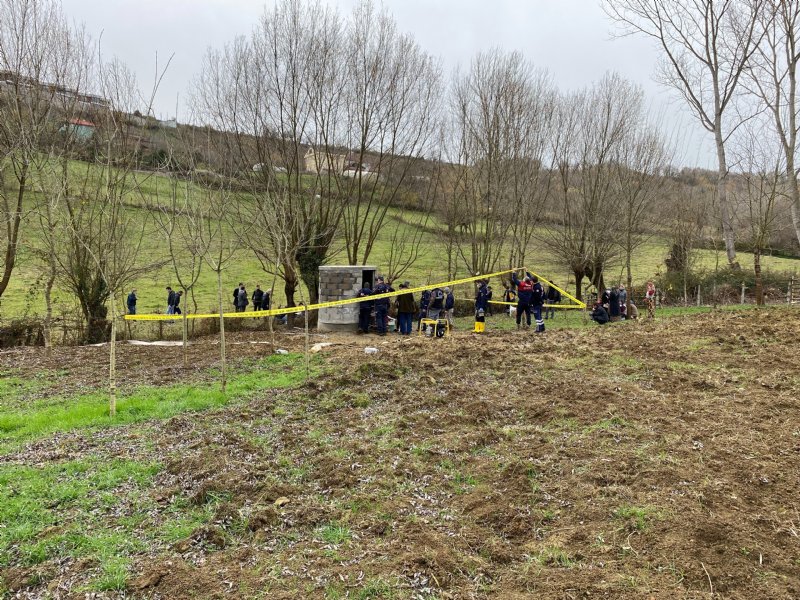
<point>337,267</point>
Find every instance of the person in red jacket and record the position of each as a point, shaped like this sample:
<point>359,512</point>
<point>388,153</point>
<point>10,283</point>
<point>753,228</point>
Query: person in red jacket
<point>524,297</point>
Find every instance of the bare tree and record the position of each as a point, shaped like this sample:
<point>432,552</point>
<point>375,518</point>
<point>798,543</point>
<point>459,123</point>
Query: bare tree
<point>592,128</point>
<point>498,140</point>
<point>763,166</point>
<point>773,79</point>
<point>706,46</point>
<point>42,68</point>
<point>686,217</point>
<point>276,94</point>
<point>219,247</point>
<point>389,118</point>
<point>638,178</point>
<point>180,221</point>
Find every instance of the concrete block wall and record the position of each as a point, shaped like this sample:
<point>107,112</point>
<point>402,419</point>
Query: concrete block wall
<point>340,283</point>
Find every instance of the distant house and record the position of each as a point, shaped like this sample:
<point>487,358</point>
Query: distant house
<point>81,129</point>
<point>324,162</point>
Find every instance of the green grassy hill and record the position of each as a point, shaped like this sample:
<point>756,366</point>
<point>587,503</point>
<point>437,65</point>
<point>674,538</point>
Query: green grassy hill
<point>25,292</point>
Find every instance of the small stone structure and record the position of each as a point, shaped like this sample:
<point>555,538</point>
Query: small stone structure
<point>340,283</point>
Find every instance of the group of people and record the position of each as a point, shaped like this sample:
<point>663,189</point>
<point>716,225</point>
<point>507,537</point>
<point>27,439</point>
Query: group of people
<point>613,305</point>
<point>260,298</point>
<point>438,303</point>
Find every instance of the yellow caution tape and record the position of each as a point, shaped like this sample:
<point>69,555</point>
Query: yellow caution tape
<point>299,309</point>
<point>544,305</point>
<point>578,303</point>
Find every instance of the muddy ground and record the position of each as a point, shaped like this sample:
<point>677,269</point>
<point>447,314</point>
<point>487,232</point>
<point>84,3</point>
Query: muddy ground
<point>650,460</point>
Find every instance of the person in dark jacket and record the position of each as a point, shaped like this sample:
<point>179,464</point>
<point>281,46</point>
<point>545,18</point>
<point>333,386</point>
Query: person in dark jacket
<point>177,307</point>
<point>236,295</point>
<point>381,305</point>
<point>599,314</point>
<point>170,301</point>
<point>553,297</point>
<point>481,307</point>
<point>524,297</point>
<point>258,297</point>
<point>406,307</point>
<point>364,308</point>
<point>605,298</point>
<point>537,302</point>
<point>449,307</point>
<point>424,301</point>
<point>241,299</point>
<point>132,302</point>
<point>613,304</point>
<point>436,304</point>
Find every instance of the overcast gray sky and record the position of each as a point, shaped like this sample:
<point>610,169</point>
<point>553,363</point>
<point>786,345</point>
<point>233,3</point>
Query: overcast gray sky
<point>570,38</point>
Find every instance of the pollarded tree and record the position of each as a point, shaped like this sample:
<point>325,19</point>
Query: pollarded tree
<point>277,94</point>
<point>592,128</point>
<point>388,120</point>
<point>498,143</point>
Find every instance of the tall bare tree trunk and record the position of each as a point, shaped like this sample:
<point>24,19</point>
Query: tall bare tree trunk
<point>728,233</point>
<point>628,277</point>
<point>794,195</point>
<point>48,300</point>
<point>759,283</point>
<point>308,356</point>
<point>13,230</point>
<point>221,331</point>
<point>112,363</point>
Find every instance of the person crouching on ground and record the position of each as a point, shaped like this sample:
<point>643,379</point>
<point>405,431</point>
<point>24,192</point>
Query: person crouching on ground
<point>406,308</point>
<point>381,305</point>
<point>599,314</point>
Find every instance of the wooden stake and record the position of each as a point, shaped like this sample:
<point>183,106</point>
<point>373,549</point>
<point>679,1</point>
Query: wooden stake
<point>308,367</point>
<point>112,362</point>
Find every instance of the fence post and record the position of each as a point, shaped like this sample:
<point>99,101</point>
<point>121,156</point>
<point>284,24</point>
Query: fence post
<point>790,292</point>
<point>743,288</point>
